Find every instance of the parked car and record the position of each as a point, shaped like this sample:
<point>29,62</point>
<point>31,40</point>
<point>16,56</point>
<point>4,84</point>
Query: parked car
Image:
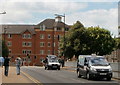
<point>51,62</point>
<point>93,66</point>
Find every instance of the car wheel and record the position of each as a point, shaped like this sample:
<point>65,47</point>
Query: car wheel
<point>59,68</point>
<point>78,74</point>
<point>45,68</point>
<point>88,76</point>
<point>109,79</point>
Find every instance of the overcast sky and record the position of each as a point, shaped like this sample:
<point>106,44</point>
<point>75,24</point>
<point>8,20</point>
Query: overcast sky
<point>92,13</point>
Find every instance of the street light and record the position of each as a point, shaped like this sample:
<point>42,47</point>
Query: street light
<point>4,33</point>
<point>64,31</point>
<point>3,12</point>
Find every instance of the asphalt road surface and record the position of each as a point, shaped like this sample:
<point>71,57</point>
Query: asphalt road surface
<point>61,77</point>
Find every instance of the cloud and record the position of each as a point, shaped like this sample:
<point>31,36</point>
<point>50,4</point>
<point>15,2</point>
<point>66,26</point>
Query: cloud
<point>22,12</point>
<point>26,12</point>
<point>107,19</point>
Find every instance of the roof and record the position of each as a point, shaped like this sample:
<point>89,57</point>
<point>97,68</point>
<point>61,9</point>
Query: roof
<point>60,24</point>
<point>17,29</point>
<point>49,23</point>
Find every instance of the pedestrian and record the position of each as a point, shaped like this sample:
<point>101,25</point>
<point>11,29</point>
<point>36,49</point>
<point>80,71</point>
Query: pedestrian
<point>62,62</point>
<point>1,61</point>
<point>6,65</point>
<point>18,64</point>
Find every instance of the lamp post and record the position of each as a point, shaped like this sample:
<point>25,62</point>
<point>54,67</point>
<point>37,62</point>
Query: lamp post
<point>4,28</point>
<point>3,12</point>
<point>64,31</point>
<point>4,33</point>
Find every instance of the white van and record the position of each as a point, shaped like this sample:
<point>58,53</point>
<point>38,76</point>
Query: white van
<point>52,62</point>
<point>91,67</point>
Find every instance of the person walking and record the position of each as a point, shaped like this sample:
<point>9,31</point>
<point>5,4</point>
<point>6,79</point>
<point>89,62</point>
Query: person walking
<point>6,65</point>
<point>18,64</point>
<point>1,61</point>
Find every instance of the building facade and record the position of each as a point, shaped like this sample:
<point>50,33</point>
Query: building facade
<point>33,42</point>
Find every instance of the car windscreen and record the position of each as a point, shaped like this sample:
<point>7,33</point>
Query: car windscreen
<point>99,61</point>
<point>53,60</point>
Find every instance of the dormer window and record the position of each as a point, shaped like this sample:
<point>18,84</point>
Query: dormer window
<point>59,29</point>
<point>9,36</point>
<point>66,29</point>
<point>42,27</point>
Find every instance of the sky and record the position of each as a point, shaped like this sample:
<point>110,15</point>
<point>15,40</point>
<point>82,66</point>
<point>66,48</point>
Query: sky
<point>89,12</point>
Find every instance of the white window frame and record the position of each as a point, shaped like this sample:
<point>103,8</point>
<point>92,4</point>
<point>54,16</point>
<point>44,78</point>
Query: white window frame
<point>29,51</point>
<point>9,43</point>
<point>49,36</point>
<point>9,36</point>
<point>24,52</point>
<point>29,44</point>
<point>10,51</point>
<point>49,52</point>
<point>49,44</point>
<point>42,44</point>
<point>29,36</point>
<point>42,36</point>
<point>42,52</point>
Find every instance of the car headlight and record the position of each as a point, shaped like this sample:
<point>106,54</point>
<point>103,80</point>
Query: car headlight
<point>110,69</point>
<point>93,69</point>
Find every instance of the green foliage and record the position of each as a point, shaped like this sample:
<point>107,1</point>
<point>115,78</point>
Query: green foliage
<point>117,43</point>
<point>85,41</point>
<point>77,25</point>
<point>101,41</point>
<point>5,51</point>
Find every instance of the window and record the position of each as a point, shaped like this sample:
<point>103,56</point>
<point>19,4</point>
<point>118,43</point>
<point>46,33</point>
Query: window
<point>9,36</point>
<point>66,29</point>
<point>54,44</point>
<point>9,43</point>
<point>29,52</point>
<point>41,52</point>
<point>41,36</point>
<point>41,44</point>
<point>29,36</point>
<point>58,37</point>
<point>48,52</point>
<point>29,44</point>
<point>26,44</point>
<point>49,44</point>
<point>24,51</point>
<point>26,36</point>
<point>10,51</point>
<point>58,29</point>
<point>49,36</point>
<point>42,27</point>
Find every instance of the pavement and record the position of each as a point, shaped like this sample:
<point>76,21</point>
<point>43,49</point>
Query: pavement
<point>23,78</point>
<point>14,78</point>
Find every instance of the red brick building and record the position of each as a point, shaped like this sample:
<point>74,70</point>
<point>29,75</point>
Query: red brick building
<point>36,40</point>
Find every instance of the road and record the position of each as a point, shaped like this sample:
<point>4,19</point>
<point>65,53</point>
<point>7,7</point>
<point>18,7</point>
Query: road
<point>61,77</point>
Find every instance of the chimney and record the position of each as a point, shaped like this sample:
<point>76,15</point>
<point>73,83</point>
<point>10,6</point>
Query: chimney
<point>58,19</point>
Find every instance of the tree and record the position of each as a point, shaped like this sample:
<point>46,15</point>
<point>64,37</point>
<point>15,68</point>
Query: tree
<point>117,43</point>
<point>85,41</point>
<point>101,42</point>
<point>5,51</point>
<point>72,42</point>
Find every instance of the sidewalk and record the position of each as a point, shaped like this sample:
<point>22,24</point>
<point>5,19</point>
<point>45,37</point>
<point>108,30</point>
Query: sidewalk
<point>14,78</point>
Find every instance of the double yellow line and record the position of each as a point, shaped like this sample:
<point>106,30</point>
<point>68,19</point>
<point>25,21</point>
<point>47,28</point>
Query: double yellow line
<point>31,78</point>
